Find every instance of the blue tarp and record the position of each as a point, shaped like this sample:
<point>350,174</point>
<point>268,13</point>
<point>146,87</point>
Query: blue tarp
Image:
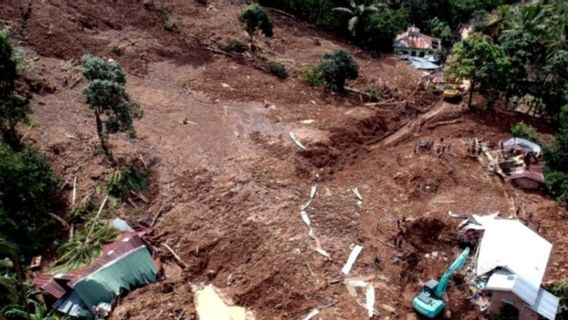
<point>423,63</point>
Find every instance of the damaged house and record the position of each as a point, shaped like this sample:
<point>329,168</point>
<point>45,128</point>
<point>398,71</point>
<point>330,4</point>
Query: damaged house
<point>123,265</point>
<point>416,44</point>
<point>510,266</point>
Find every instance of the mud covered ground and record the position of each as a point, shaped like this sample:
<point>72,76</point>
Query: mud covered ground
<point>228,182</point>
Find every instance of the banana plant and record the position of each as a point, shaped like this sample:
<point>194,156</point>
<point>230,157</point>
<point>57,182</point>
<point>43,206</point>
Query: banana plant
<point>357,13</point>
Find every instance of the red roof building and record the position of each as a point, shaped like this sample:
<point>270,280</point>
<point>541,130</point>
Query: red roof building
<point>413,42</point>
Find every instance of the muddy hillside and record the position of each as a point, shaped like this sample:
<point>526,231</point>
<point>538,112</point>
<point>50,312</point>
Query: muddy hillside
<point>228,183</point>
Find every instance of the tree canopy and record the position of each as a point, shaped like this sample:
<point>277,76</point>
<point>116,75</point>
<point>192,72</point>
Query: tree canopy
<point>336,68</point>
<point>28,189</point>
<point>107,97</point>
<point>14,108</point>
<point>478,60</point>
<point>256,18</point>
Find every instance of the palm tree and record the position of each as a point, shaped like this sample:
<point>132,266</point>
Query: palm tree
<point>499,20</point>
<point>357,13</point>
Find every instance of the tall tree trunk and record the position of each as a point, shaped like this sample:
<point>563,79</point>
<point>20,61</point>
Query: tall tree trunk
<point>470,99</point>
<point>102,138</point>
<point>10,137</point>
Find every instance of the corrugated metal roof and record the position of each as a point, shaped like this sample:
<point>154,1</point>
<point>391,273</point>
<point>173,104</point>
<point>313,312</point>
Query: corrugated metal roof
<point>546,304</point>
<point>46,283</point>
<point>523,144</point>
<point>533,173</point>
<point>126,242</point>
<point>540,300</point>
<point>412,38</point>
<point>511,245</point>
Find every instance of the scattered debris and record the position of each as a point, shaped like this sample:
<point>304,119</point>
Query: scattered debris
<point>312,314</point>
<point>313,191</point>
<point>322,252</point>
<point>370,300</point>
<point>176,256</point>
<point>306,219</point>
<point>296,141</point>
<point>358,196</point>
<point>351,260</point>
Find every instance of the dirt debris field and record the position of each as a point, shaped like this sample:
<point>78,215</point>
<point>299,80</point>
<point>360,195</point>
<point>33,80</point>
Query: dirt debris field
<point>227,179</point>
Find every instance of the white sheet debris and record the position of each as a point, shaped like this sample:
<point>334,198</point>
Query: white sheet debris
<point>370,300</point>
<point>356,283</point>
<point>323,252</point>
<point>313,191</point>
<point>306,205</point>
<point>312,314</point>
<point>351,260</point>
<point>296,141</point>
<point>357,194</point>
<point>307,221</point>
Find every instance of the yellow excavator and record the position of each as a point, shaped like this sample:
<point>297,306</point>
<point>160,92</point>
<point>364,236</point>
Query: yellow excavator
<point>452,94</point>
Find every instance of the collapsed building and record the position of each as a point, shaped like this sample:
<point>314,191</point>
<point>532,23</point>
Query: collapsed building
<point>123,265</point>
<point>517,160</point>
<point>509,267</point>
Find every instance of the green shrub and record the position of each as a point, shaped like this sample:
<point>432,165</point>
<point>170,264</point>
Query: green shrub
<point>523,130</point>
<point>278,69</point>
<point>254,18</point>
<point>122,181</point>
<point>169,25</point>
<point>561,291</point>
<point>556,166</point>
<point>28,190</point>
<point>336,68</point>
<point>233,45</point>
<point>311,76</point>
<point>374,94</point>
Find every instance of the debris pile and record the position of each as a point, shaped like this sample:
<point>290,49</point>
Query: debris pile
<point>509,268</point>
<point>517,160</point>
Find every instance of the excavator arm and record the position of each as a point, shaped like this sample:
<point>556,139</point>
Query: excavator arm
<point>456,265</point>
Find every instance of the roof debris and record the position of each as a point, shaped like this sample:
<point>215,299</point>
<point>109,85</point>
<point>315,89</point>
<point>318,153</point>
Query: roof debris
<point>351,260</point>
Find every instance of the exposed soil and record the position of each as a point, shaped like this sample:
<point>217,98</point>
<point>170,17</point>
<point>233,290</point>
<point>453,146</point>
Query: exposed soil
<point>227,179</point>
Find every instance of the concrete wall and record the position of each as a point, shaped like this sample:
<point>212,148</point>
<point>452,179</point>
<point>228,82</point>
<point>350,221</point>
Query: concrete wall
<point>499,298</point>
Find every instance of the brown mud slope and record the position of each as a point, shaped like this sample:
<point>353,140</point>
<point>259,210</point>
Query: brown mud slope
<point>227,180</point>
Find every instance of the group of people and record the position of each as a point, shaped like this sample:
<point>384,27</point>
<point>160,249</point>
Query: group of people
<point>429,146</point>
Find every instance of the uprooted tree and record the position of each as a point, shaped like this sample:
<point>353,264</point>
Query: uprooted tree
<point>14,108</point>
<point>107,97</point>
<point>336,68</point>
<point>256,18</point>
